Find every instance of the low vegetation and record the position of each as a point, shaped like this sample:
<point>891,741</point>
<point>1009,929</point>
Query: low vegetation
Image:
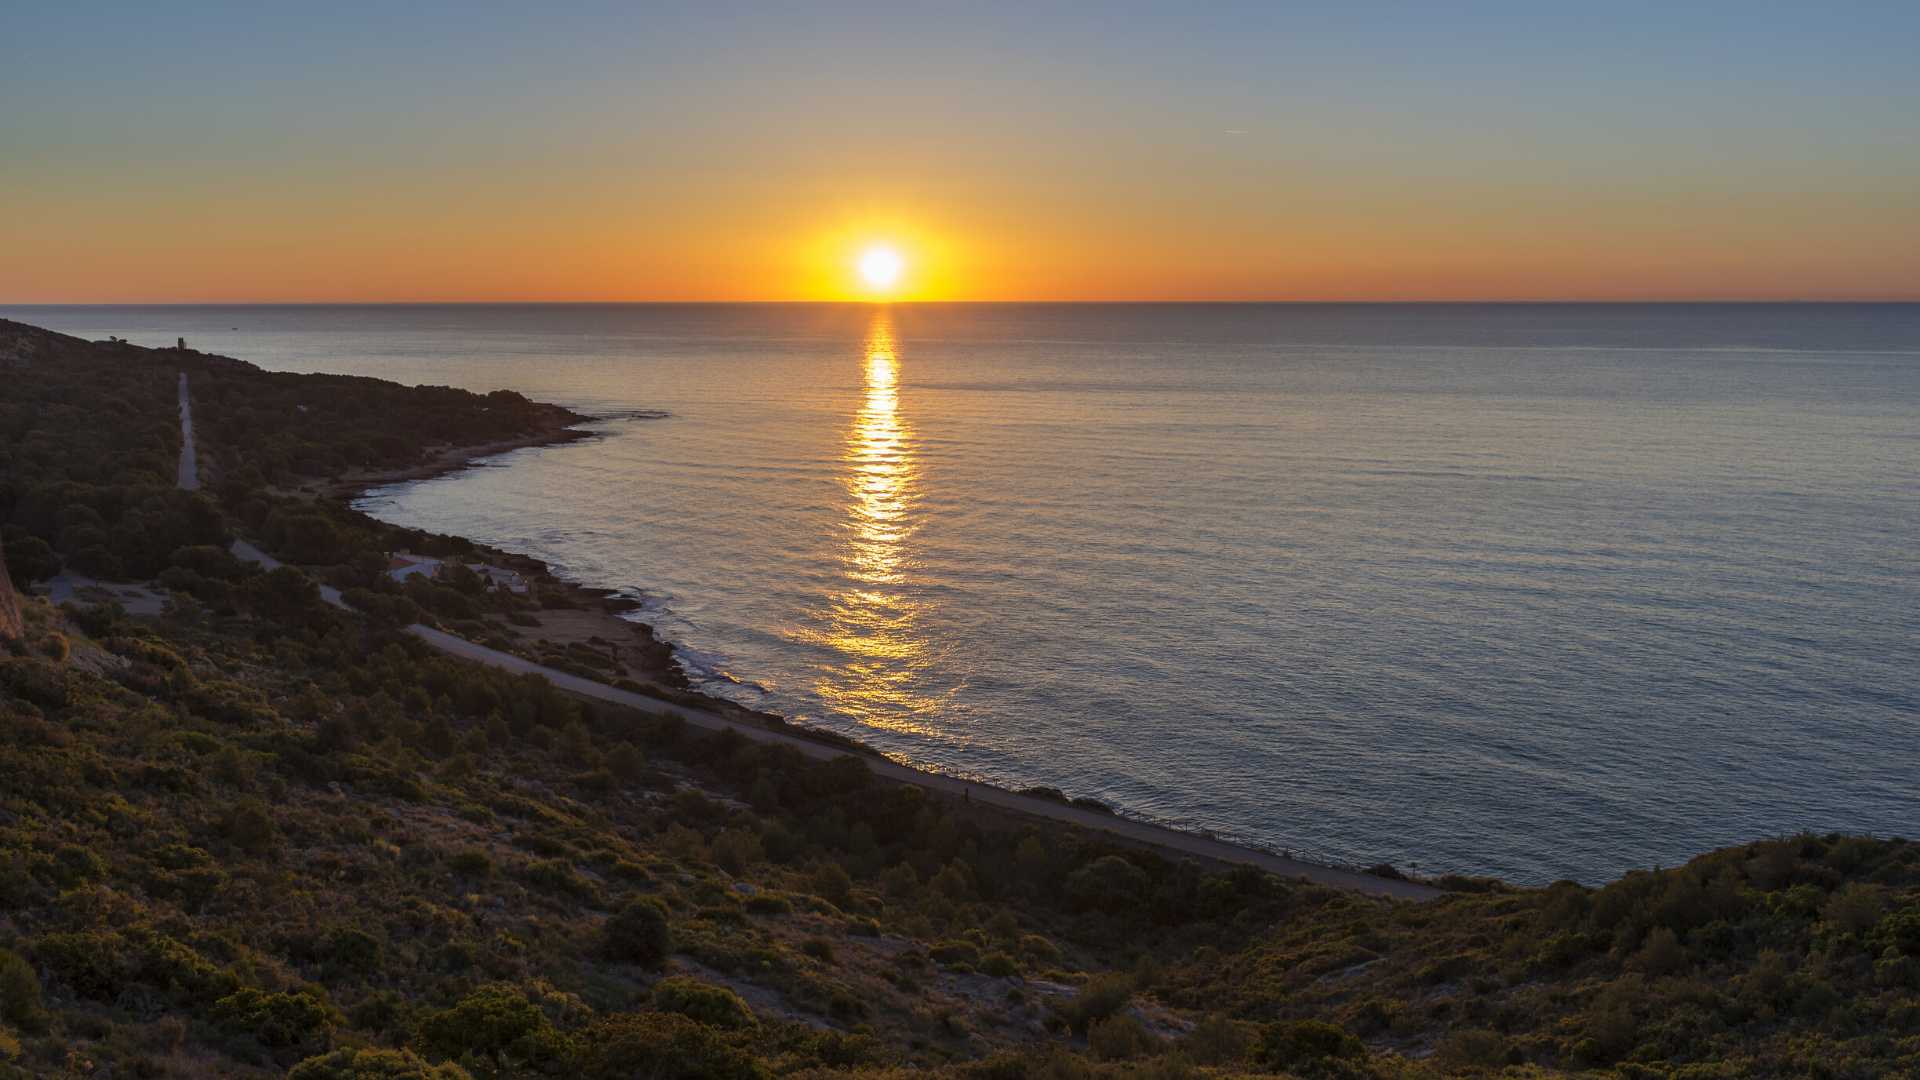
<point>262,836</point>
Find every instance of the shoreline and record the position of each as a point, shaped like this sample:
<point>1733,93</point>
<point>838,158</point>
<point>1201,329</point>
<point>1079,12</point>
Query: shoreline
<point>671,688</point>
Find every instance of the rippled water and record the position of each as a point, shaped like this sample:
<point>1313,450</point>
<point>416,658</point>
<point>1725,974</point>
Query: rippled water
<point>1537,590</point>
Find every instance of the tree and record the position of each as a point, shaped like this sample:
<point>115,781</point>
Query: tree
<point>310,538</point>
<point>29,559</point>
<point>639,933</point>
<point>284,594</point>
<point>1109,883</point>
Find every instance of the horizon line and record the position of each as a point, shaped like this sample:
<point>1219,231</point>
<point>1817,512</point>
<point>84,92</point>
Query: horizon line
<point>1915,299</point>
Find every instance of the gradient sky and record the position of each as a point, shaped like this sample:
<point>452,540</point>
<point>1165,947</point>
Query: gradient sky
<point>1030,151</point>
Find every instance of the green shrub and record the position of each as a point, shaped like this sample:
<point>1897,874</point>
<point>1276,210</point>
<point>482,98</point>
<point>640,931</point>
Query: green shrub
<point>173,967</point>
<point>1304,1044</point>
<point>374,1065</point>
<point>495,1030</point>
<point>277,1019</point>
<point>559,876</point>
<point>472,863</point>
<point>248,825</point>
<point>1118,1038</point>
<point>1038,949</point>
<point>349,948</point>
<point>715,1006</point>
<point>73,865</point>
<point>1662,954</point>
<point>19,990</point>
<point>90,964</point>
<point>30,559</point>
<point>1473,1049</point>
<point>1109,883</point>
<point>1101,997</point>
<point>999,965</point>
<point>768,903</point>
<point>35,679</point>
<point>955,952</point>
<point>1899,932</point>
<point>639,933</point>
<point>661,1046</point>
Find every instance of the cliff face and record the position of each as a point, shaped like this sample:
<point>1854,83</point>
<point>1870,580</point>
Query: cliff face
<point>10,624</point>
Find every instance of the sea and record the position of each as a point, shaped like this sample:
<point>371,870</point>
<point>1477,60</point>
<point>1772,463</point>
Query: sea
<point>1537,591</point>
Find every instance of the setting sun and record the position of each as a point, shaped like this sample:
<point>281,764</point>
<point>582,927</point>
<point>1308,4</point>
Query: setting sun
<point>880,267</point>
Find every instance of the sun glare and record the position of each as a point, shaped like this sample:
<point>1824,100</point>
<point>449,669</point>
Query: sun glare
<point>880,267</point>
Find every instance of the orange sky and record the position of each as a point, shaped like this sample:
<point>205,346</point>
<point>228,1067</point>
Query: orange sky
<point>1169,154</point>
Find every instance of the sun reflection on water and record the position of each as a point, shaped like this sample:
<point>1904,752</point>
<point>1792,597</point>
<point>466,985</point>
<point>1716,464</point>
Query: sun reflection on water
<point>871,624</point>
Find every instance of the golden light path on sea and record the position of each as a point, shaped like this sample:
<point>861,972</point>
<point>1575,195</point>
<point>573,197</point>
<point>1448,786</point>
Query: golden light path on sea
<point>872,623</point>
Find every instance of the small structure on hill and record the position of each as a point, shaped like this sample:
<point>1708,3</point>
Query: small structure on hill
<point>404,564</point>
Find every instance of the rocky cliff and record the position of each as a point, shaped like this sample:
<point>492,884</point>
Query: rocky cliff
<point>10,624</point>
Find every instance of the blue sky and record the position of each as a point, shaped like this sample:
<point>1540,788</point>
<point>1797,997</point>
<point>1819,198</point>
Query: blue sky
<point>1193,146</point>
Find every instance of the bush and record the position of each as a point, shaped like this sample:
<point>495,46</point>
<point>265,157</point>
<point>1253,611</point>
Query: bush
<point>1215,1040</point>
<point>248,825</point>
<point>1101,997</point>
<point>661,1046</point>
<point>1038,949</point>
<point>36,680</point>
<point>715,1006</point>
<point>830,879</point>
<point>495,1027</point>
<point>89,964</point>
<point>19,990</point>
<point>1109,883</point>
<point>374,1065</point>
<point>559,876</point>
<point>30,559</point>
<point>639,933</point>
<point>768,903</point>
<point>1899,932</point>
<point>351,949</point>
<point>950,953</point>
<point>472,863</point>
<point>1662,954</point>
<point>1298,1044</point>
<point>277,1019</point>
<point>1118,1038</point>
<point>1473,1049</point>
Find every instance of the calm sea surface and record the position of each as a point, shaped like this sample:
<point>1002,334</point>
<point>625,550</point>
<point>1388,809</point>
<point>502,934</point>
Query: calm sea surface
<point>1539,591</point>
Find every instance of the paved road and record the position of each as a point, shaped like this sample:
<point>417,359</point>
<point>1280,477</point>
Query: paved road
<point>1138,832</point>
<point>189,463</point>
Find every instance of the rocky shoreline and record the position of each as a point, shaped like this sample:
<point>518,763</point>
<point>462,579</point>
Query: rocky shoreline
<point>585,613</point>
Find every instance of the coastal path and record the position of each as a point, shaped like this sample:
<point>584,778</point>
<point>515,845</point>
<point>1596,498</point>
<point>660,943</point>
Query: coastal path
<point>1127,830</point>
<point>189,463</point>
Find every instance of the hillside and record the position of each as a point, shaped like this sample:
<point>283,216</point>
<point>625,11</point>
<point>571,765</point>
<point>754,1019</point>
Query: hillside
<point>259,835</point>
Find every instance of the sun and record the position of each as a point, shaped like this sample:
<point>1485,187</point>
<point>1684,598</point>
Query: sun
<point>880,267</point>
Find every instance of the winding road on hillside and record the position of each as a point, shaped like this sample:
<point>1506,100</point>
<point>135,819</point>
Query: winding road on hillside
<point>1124,829</point>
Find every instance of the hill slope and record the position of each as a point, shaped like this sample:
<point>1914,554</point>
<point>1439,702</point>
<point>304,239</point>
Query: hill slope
<point>258,834</point>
